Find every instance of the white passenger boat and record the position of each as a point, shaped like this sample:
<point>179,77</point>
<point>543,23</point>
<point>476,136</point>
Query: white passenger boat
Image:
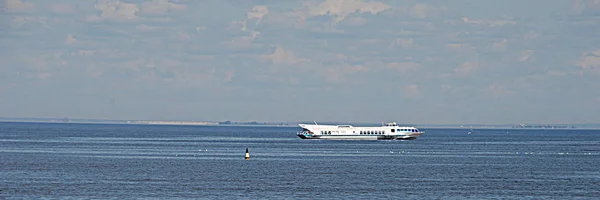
<point>389,131</point>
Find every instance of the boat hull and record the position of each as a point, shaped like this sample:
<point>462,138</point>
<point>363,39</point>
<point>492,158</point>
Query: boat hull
<point>357,137</point>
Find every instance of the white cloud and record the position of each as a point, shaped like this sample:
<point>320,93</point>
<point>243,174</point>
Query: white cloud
<point>580,6</point>
<point>458,46</point>
<point>531,35</point>
<point>229,75</point>
<point>491,23</point>
<point>84,53</point>
<point>589,61</point>
<point>412,91</point>
<point>404,42</point>
<point>243,41</point>
<point>337,73</point>
<point>501,45</point>
<point>18,21</point>
<point>46,63</point>
<point>160,7</point>
<point>404,67</point>
<point>62,8</point>
<point>70,39</point>
<point>355,21</point>
<point>371,41</point>
<point>445,88</point>
<point>144,27</point>
<point>257,12</point>
<point>238,23</point>
<point>461,48</point>
<point>115,10</point>
<point>73,40</point>
<point>526,55</point>
<point>340,9</point>
<point>466,68</point>
<point>17,6</point>
<point>283,56</point>
<point>420,10</point>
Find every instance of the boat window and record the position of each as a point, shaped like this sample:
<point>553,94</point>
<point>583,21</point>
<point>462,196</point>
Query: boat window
<point>394,130</point>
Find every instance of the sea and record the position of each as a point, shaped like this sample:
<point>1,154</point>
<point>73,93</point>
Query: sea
<point>120,161</point>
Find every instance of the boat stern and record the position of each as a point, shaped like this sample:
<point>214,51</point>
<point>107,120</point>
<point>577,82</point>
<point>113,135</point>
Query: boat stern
<point>305,135</point>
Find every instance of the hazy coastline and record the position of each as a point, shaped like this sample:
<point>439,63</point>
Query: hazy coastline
<point>293,124</point>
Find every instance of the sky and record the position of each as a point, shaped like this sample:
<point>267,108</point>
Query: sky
<point>423,62</point>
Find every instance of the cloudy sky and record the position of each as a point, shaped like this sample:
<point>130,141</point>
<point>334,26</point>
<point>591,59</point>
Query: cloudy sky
<point>459,61</point>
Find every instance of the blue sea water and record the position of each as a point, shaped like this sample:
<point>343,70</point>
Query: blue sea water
<point>93,161</point>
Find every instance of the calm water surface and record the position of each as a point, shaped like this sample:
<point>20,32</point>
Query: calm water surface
<point>90,161</point>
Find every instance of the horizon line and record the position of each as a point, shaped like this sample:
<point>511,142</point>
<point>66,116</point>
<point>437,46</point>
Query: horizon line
<point>271,122</point>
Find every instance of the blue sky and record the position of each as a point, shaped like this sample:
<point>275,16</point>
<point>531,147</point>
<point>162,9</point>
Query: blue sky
<point>459,61</point>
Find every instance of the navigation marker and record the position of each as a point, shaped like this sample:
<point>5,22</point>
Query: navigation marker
<point>247,154</point>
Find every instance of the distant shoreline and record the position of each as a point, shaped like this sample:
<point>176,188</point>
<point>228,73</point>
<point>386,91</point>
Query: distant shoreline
<point>294,124</point>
